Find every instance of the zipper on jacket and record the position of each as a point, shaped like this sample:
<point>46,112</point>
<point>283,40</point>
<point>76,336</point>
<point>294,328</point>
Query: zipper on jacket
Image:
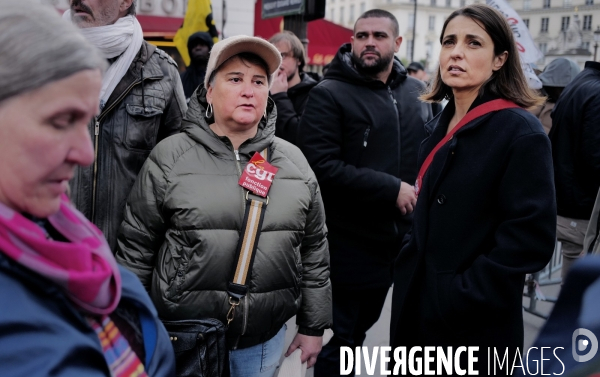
<point>239,168</point>
<point>96,133</point>
<point>96,137</point>
<point>395,105</point>
<point>244,308</point>
<point>393,99</point>
<point>366,136</point>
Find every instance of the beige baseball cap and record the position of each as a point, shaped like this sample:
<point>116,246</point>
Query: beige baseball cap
<point>231,46</point>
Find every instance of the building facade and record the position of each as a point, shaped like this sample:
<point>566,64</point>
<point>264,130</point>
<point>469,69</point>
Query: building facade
<point>562,28</point>
<point>431,15</point>
<point>559,27</point>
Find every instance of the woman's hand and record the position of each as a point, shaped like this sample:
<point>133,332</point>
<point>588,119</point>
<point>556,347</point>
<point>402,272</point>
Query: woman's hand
<point>310,346</point>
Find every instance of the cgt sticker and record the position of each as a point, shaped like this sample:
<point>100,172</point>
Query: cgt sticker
<point>258,175</point>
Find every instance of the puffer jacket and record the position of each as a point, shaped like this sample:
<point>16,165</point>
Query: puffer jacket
<point>182,224</point>
<point>135,118</point>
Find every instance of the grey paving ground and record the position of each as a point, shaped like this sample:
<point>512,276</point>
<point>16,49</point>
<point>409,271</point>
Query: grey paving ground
<point>378,335</point>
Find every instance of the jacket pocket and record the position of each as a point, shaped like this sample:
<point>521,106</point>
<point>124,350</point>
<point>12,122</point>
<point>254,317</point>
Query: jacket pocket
<point>444,301</point>
<point>142,126</point>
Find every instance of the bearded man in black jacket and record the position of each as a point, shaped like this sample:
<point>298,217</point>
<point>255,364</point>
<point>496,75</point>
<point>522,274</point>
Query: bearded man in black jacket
<point>361,132</point>
<point>290,86</point>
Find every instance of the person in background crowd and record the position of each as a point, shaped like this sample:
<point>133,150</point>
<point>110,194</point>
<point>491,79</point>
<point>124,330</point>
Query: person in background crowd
<point>199,46</point>
<point>591,241</point>
<point>486,210</point>
<point>361,132</point>
<point>141,103</point>
<point>184,217</point>
<point>575,138</point>
<point>290,86</point>
<point>416,70</point>
<point>558,74</point>
<point>67,308</point>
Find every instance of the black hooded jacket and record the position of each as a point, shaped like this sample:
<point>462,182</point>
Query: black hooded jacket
<point>362,137</point>
<point>193,76</point>
<point>290,106</point>
<point>575,137</point>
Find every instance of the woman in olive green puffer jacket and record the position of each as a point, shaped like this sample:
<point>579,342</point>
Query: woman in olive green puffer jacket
<point>182,224</point>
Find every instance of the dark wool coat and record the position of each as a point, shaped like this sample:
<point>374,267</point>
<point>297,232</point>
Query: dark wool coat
<point>485,217</point>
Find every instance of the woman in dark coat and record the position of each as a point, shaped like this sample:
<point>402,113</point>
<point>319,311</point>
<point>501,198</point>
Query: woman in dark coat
<point>486,212</point>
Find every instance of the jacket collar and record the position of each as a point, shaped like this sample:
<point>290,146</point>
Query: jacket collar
<point>152,70</point>
<point>443,119</point>
<point>593,65</point>
<point>342,69</point>
<point>306,83</point>
<point>196,125</point>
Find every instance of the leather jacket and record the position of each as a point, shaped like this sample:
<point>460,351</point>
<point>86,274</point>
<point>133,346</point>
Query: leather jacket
<point>135,118</point>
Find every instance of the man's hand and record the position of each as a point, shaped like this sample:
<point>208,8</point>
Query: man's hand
<point>407,198</point>
<point>280,83</point>
<point>310,346</point>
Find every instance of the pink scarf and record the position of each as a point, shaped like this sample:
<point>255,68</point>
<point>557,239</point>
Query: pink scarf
<point>84,267</point>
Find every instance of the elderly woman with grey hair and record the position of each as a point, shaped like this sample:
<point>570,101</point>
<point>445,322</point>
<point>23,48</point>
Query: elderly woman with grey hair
<point>67,308</point>
<point>214,229</point>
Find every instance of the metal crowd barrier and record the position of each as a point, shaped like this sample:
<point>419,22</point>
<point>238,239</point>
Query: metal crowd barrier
<point>549,275</point>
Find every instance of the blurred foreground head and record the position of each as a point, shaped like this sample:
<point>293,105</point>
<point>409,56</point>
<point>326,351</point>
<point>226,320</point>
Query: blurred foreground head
<point>51,78</point>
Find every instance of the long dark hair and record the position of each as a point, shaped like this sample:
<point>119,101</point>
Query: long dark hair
<point>509,81</point>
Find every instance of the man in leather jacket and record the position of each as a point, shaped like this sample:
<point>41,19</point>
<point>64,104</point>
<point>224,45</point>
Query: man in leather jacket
<point>142,102</point>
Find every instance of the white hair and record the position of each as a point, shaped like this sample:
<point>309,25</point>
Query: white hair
<point>38,47</point>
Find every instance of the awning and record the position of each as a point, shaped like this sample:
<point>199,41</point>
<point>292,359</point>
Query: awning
<point>324,37</point>
<point>155,26</point>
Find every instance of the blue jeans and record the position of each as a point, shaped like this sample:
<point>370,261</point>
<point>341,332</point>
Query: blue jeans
<point>258,361</point>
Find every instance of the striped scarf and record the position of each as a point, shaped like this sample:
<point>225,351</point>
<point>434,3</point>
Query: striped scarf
<point>121,359</point>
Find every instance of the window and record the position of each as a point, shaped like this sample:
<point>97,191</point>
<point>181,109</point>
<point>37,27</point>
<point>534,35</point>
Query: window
<point>526,4</point>
<point>564,23</point>
<point>566,3</point>
<point>352,19</point>
<point>544,25</point>
<point>526,22</point>
<point>341,15</point>
<point>462,3</point>
<point>363,8</point>
<point>410,21</point>
<point>433,3</point>
<point>586,45</point>
<point>431,22</point>
<point>589,2</point>
<point>546,3</point>
<point>409,45</point>
<point>543,47</point>
<point>587,22</point>
<point>448,3</point>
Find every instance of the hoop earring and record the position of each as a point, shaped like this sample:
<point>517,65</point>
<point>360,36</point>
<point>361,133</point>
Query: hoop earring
<point>209,111</point>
